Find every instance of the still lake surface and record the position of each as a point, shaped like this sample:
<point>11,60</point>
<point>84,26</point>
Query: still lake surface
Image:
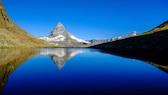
<point>77,71</point>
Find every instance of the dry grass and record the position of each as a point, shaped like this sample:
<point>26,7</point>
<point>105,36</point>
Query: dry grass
<point>12,35</point>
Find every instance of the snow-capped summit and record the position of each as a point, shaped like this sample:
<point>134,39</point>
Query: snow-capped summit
<point>60,37</point>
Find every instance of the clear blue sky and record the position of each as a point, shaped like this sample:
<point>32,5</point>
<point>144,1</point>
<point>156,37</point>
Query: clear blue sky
<point>88,19</point>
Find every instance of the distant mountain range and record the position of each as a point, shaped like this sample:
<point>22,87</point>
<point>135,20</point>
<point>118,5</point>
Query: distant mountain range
<point>151,46</point>
<point>60,37</point>
<point>100,41</point>
<point>12,35</point>
<point>153,40</point>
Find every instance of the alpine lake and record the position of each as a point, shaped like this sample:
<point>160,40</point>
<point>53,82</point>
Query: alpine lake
<point>78,71</point>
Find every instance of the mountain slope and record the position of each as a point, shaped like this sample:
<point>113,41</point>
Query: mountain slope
<point>151,47</point>
<point>161,27</point>
<point>60,37</point>
<point>12,35</point>
<point>153,40</point>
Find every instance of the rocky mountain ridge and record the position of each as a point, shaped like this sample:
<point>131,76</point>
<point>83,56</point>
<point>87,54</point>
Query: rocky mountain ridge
<point>101,41</point>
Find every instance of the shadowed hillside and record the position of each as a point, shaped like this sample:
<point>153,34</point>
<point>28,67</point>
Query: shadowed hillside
<point>153,40</point>
<point>12,35</point>
<point>10,60</point>
<point>151,47</point>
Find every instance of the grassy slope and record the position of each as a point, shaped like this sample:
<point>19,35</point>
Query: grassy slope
<point>151,46</point>
<point>155,39</point>
<point>162,27</point>
<point>12,35</point>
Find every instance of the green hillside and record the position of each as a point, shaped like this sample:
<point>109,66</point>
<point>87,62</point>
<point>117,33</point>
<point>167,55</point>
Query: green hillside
<point>12,35</point>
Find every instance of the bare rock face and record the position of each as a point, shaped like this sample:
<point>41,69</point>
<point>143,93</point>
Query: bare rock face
<point>12,35</point>
<point>58,30</point>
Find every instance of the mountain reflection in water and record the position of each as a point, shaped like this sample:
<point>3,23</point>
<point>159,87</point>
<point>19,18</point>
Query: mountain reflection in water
<point>61,55</point>
<point>92,73</point>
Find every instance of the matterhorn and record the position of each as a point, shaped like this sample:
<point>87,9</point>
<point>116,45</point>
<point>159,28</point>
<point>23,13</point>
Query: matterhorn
<point>61,38</point>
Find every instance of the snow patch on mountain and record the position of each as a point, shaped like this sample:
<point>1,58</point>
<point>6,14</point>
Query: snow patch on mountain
<point>79,40</point>
<point>57,38</point>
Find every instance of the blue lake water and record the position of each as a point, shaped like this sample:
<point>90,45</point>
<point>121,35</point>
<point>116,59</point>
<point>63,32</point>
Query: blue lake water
<point>70,71</point>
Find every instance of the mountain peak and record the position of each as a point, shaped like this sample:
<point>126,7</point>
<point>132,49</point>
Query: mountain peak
<point>59,29</point>
<point>60,25</point>
<point>60,37</point>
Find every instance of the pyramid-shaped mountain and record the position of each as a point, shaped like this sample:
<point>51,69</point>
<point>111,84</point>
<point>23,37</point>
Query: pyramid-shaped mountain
<point>60,37</point>
<point>12,35</point>
<point>59,31</point>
